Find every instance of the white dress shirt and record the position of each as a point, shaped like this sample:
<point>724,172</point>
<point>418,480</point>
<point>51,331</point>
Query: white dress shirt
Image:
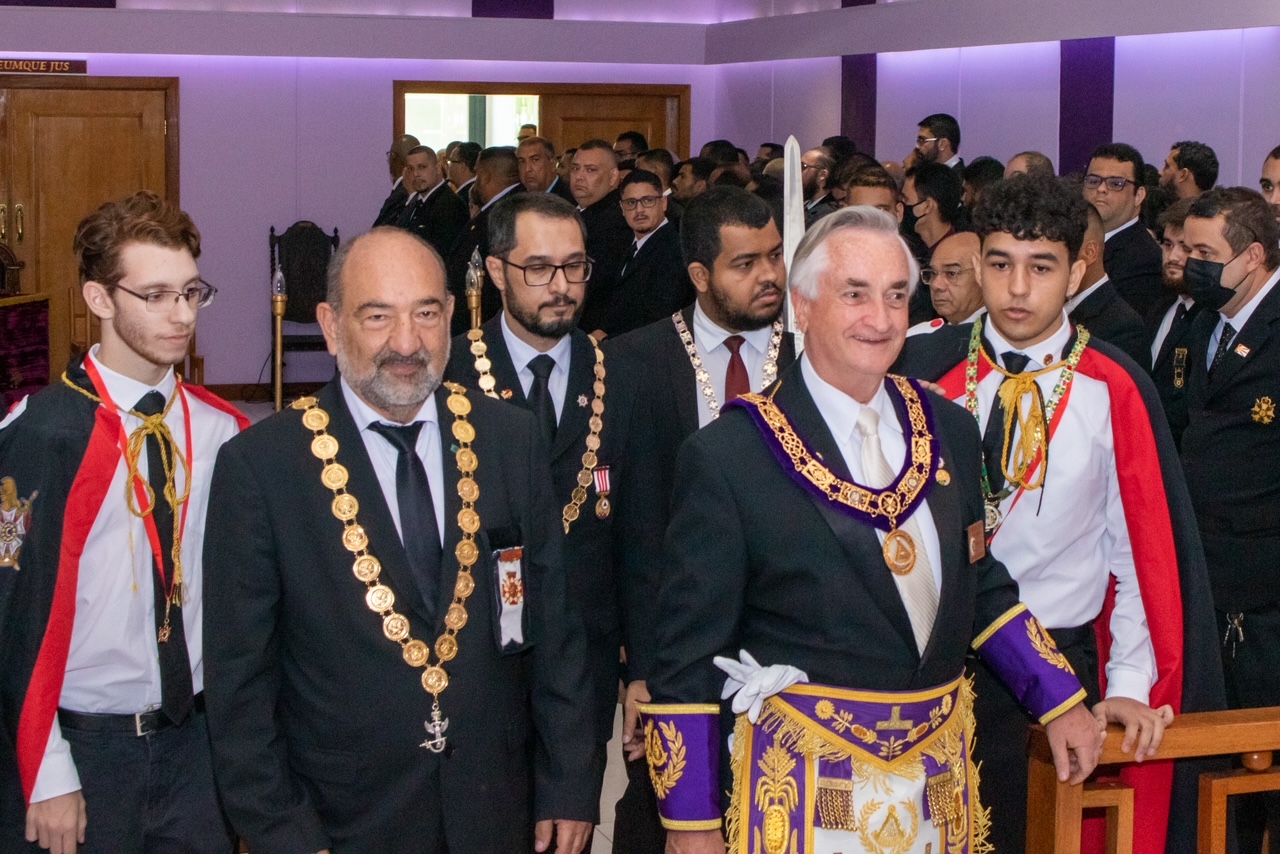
<point>424,196</point>
<point>709,339</point>
<point>113,665</point>
<point>1166,323</point>
<point>841,412</point>
<point>1064,541</point>
<point>523,353</point>
<point>1240,318</point>
<point>385,456</point>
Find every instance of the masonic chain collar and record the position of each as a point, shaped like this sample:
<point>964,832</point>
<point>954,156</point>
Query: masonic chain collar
<point>700,373</point>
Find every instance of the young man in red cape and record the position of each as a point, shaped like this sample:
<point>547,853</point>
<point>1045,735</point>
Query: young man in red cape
<point>1094,524</point>
<point>103,745</point>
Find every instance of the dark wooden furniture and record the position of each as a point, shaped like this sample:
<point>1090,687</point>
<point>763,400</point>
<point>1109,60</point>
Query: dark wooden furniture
<point>24,347</point>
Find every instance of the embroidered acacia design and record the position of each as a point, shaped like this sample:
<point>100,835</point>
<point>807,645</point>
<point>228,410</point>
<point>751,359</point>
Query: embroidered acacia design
<point>1045,646</point>
<point>777,796</point>
<point>665,767</point>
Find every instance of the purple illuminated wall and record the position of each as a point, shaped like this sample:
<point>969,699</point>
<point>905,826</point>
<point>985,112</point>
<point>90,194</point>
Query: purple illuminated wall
<point>545,9</point>
<point>1088,72</point>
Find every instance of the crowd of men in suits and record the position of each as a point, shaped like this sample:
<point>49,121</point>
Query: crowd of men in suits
<point>400,615</point>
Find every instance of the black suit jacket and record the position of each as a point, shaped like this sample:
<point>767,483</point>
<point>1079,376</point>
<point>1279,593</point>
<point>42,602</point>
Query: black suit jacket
<point>651,371</point>
<point>652,285</point>
<point>1133,261</point>
<point>314,717</point>
<point>818,211</point>
<point>609,239</point>
<point>393,206</point>
<point>1231,453</point>
<point>792,580</point>
<point>438,219</point>
<point>561,189</point>
<point>588,552</point>
<point>475,235</point>
<point>464,192</point>
<point>1172,365</point>
<point>1109,318</point>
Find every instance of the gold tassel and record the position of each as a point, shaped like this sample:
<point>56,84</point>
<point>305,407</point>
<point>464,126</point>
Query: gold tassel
<point>1031,426</point>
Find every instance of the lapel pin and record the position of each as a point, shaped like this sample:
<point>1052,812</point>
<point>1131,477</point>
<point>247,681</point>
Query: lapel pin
<point>1264,410</point>
<point>506,394</point>
<point>942,477</point>
<point>582,401</point>
<point>1242,350</point>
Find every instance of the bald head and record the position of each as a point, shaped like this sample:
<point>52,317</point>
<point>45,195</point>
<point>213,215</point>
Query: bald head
<point>400,147</point>
<point>954,290</point>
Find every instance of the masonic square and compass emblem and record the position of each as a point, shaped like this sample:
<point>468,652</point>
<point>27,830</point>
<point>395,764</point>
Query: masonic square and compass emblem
<point>15,522</point>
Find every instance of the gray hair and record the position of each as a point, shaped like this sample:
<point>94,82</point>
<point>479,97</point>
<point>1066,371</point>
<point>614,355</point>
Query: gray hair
<point>338,261</point>
<point>812,259</point>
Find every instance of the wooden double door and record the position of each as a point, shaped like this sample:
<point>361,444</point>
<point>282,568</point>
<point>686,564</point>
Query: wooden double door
<point>69,145</point>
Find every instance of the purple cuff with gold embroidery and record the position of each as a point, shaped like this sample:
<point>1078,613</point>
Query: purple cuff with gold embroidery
<point>682,747</point>
<point>1024,656</point>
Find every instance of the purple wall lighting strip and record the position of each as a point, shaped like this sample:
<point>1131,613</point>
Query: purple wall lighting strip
<point>542,9</point>
<point>1086,103</point>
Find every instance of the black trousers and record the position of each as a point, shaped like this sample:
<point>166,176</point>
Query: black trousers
<point>636,826</point>
<point>149,795</point>
<point>1002,739</point>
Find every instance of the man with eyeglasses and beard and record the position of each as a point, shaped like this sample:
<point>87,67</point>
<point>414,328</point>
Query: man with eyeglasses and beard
<point>384,564</point>
<point>1131,258</point>
<point>1169,323</point>
<point>104,488</point>
<point>671,378</point>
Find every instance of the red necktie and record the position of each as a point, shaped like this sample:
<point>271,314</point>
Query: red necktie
<point>736,383</point>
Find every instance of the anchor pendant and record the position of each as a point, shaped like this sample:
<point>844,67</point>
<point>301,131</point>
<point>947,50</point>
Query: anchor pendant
<point>436,728</point>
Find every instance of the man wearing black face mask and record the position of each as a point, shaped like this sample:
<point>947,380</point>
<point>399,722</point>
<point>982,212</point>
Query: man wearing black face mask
<point>1231,447</point>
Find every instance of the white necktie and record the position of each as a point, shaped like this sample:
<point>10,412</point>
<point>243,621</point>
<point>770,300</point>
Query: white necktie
<point>917,588</point>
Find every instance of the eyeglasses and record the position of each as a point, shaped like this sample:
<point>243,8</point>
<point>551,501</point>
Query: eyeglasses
<point>642,201</point>
<point>1115,183</point>
<point>160,302</point>
<point>540,275</point>
<point>929,275</point>
<point>804,166</point>
<point>921,140</point>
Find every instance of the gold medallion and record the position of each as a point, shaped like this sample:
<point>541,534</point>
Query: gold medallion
<point>468,490</point>
<point>595,423</point>
<point>467,460</point>
<point>415,653</point>
<point>486,383</point>
<point>446,647</point>
<point>464,431</point>
<point>597,406</point>
<point>599,370</point>
<point>589,459</point>
<point>435,680</point>
<point>483,364</point>
<point>456,617</point>
<point>464,586</point>
<point>324,447</point>
<point>467,553</point>
<point>334,476</point>
<point>345,505</point>
<point>1264,411</point>
<point>315,419</point>
<point>354,538</point>
<point>579,495</point>
<point>943,478</point>
<point>603,508</point>
<point>478,348</point>
<point>992,516</point>
<point>571,513</point>
<point>304,403</point>
<point>468,520</point>
<point>367,568</point>
<point>593,442</point>
<point>395,627</point>
<point>475,334</point>
<point>458,405</point>
<point>900,552</point>
<point>584,478</point>
<point>379,598</point>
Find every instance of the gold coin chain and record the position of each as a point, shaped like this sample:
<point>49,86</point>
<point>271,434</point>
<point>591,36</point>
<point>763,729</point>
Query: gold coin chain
<point>484,366</point>
<point>703,377</point>
<point>379,597</point>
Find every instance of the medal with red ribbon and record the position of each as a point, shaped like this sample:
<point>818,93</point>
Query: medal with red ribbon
<point>603,507</point>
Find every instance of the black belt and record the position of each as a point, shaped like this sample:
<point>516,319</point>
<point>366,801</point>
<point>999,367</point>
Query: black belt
<point>140,724</point>
<point>1072,637</point>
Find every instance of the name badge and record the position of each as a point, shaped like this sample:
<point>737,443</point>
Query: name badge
<point>977,542</point>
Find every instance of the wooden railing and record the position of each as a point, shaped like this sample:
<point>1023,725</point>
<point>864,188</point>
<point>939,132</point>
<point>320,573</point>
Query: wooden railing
<point>1054,809</point>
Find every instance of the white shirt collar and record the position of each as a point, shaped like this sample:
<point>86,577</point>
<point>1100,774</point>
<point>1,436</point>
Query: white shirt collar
<point>428,194</point>
<point>126,391</point>
<point>398,182</point>
<point>811,205</point>
<point>1246,311</point>
<point>640,241</point>
<point>364,414</point>
<point>1084,294</point>
<point>708,335</point>
<point>1045,353</point>
<point>955,158</point>
<point>522,353</point>
<point>1113,232</point>
<point>976,314</point>
<point>841,411</point>
<point>491,202</point>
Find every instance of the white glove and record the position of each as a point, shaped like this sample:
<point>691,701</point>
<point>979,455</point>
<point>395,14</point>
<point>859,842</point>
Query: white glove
<point>754,684</point>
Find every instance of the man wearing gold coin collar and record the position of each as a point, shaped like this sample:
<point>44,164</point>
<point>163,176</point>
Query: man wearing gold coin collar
<point>848,559</point>
<point>384,568</point>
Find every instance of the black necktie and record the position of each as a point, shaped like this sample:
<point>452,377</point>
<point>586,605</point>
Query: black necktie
<point>993,437</point>
<point>631,256</point>
<point>418,529</point>
<point>540,402</point>
<point>410,211</point>
<point>1224,344</point>
<point>176,697</point>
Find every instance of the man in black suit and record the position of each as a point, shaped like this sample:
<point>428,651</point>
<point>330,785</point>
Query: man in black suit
<point>433,211</point>
<point>395,201</point>
<point>816,167</point>
<point>1098,307</point>
<point>660,162</point>
<point>497,175</point>
<point>1170,323</point>
<point>460,168</point>
<point>819,591</point>
<point>595,189</point>
<point>539,360</point>
<point>536,158</point>
<point>734,254</point>
<point>1231,447</point>
<point>1132,259</point>
<point>937,141</point>
<point>654,281</point>
<point>316,701</point>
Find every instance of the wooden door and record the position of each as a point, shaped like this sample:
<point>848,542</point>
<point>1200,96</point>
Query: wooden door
<point>569,119</point>
<point>71,150</point>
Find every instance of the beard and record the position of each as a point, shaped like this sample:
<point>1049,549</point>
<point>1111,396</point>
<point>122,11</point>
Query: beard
<point>386,392</point>
<point>531,319</point>
<point>135,334</point>
<point>1178,285</point>
<point>744,319</point>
